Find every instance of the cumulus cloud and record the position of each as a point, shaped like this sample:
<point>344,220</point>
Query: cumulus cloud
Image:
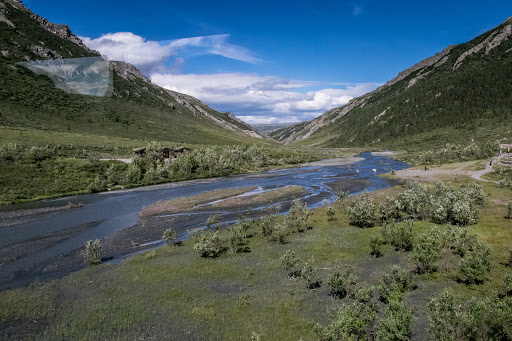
<point>150,55</point>
<point>261,99</point>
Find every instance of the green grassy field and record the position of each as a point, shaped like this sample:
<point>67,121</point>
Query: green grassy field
<point>178,295</point>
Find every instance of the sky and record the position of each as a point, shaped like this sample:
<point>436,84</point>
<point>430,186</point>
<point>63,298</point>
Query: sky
<point>273,61</point>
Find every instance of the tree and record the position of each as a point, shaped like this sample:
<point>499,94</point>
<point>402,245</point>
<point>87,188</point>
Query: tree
<point>169,236</point>
<point>93,252</point>
<point>476,264</point>
<point>375,245</point>
<point>237,238</point>
<point>331,213</point>
<point>341,281</point>
<point>352,322</point>
<point>396,323</point>
<point>361,211</point>
<point>309,274</point>
<point>212,220</point>
<point>427,251</point>
<point>394,284</point>
<point>290,262</point>
<point>209,244</point>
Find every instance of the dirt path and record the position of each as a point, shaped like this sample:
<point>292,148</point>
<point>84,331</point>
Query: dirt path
<point>445,172</point>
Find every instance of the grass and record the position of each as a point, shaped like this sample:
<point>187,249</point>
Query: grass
<point>178,295</point>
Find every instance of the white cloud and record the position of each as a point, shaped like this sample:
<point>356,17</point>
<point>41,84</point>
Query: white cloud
<point>357,10</point>
<point>260,99</point>
<point>149,55</point>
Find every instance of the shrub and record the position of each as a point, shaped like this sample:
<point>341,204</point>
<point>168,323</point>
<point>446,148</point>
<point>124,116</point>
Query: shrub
<point>507,280</point>
<point>299,216</point>
<point>400,236</point>
<point>375,246</point>
<point>396,323</point>
<point>290,262</point>
<point>150,255</point>
<point>170,236</point>
<point>238,237</point>
<point>509,210</point>
<point>362,293</point>
<point>427,251</point>
<point>444,319</point>
<point>395,283</point>
<point>309,274</point>
<point>267,225</point>
<point>331,213</point>
<point>341,196</point>
<point>463,214</point>
<point>212,220</point>
<point>476,264</point>
<point>390,209</point>
<point>93,252</point>
<point>361,211</point>
<point>341,281</point>
<point>352,322</point>
<point>209,244</point>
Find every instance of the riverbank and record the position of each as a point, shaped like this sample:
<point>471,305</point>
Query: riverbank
<point>174,293</point>
<point>52,246</point>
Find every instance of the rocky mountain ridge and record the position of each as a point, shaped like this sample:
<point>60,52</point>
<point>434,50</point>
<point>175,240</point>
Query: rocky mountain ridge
<point>394,100</point>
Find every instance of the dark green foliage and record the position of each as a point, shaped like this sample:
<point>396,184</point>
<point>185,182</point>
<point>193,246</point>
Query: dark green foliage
<point>375,246</point>
<point>209,244</point>
<point>363,294</point>
<point>399,235</point>
<point>93,252</point>
<point>427,251</point>
<point>390,209</point>
<point>394,284</point>
<point>396,323</point>
<point>361,211</point>
<point>484,319</point>
<point>476,264</point>
<point>457,239</point>
<point>352,322</point>
<point>341,281</point>
<point>509,210</point>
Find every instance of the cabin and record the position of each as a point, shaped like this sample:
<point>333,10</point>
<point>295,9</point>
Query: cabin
<point>167,152</point>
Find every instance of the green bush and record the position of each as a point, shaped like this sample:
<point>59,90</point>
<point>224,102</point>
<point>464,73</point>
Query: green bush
<point>309,274</point>
<point>395,283</point>
<point>93,252</point>
<point>427,251</point>
<point>396,323</point>
<point>331,213</point>
<point>352,322</point>
<point>209,244</point>
<point>298,220</point>
<point>390,209</point>
<point>170,236</point>
<point>238,237</point>
<point>361,211</point>
<point>476,264</point>
<point>375,246</point>
<point>399,235</point>
<point>341,281</point>
<point>363,294</point>
<point>290,262</point>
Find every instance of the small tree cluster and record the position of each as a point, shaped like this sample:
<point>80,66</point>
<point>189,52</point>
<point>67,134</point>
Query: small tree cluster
<point>209,244</point>
<point>309,274</point>
<point>298,220</point>
<point>399,235</point>
<point>396,323</point>
<point>479,319</point>
<point>341,281</point>
<point>390,209</point>
<point>93,252</point>
<point>290,263</point>
<point>331,213</point>
<point>352,322</point>
<point>476,264</point>
<point>361,211</point>
<point>394,284</point>
<point>427,251</point>
<point>375,246</point>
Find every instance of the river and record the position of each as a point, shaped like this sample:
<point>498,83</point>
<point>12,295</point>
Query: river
<point>47,245</point>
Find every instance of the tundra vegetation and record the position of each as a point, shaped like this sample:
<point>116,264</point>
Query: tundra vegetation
<point>35,172</point>
<point>416,266</point>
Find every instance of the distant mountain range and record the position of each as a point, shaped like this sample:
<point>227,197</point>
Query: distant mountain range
<point>266,128</point>
<point>457,95</point>
<point>132,107</point>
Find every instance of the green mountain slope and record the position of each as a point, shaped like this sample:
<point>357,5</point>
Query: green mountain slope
<point>137,108</point>
<point>460,94</point>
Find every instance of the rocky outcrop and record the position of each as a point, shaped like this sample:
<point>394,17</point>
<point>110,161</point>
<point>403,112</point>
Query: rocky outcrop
<point>3,18</point>
<point>44,52</point>
<point>128,71</point>
<point>492,41</point>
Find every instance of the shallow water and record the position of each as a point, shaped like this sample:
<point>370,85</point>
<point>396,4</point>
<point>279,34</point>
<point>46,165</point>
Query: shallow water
<point>116,211</point>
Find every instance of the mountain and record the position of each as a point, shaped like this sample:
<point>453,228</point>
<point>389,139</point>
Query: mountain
<point>37,59</point>
<point>266,128</point>
<point>459,94</point>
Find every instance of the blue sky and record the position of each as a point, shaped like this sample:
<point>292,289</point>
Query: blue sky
<point>273,61</point>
